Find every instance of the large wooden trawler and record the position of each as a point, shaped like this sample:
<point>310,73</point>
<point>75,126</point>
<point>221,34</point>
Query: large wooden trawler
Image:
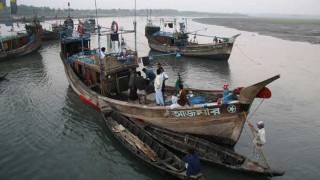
<point>180,41</point>
<point>103,83</point>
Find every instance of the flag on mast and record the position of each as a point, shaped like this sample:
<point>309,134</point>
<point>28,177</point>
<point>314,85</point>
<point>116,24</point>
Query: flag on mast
<point>2,4</point>
<point>14,7</point>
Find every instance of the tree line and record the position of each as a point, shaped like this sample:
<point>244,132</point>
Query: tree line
<point>52,13</point>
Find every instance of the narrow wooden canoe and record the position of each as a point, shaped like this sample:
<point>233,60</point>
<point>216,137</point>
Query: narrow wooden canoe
<point>209,152</point>
<point>144,147</point>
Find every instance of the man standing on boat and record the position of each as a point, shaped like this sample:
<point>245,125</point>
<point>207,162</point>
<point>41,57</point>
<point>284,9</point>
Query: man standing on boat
<point>132,85</point>
<point>150,77</point>
<point>102,52</point>
<point>141,87</point>
<point>259,140</point>
<point>164,77</point>
<point>158,83</point>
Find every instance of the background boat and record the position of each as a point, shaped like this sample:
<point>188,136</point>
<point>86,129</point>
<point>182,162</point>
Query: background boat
<point>21,43</point>
<point>180,41</point>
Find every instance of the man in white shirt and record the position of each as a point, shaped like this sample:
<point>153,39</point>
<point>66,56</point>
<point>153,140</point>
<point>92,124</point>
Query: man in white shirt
<point>102,51</point>
<point>158,82</point>
<point>259,140</point>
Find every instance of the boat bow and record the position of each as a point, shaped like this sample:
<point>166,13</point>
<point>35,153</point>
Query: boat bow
<point>233,38</point>
<point>248,94</point>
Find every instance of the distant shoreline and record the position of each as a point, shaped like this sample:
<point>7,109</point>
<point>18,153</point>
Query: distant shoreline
<point>303,30</point>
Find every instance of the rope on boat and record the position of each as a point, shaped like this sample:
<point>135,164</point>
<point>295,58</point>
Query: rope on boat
<point>247,56</point>
<point>255,109</point>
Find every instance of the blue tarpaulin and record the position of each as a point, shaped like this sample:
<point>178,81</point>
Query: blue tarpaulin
<point>197,100</point>
<point>8,22</point>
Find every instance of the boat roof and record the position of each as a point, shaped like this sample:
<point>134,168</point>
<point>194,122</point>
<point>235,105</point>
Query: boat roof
<point>163,33</point>
<point>68,39</point>
<point>16,36</point>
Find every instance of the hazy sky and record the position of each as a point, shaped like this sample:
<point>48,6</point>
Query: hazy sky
<point>307,7</point>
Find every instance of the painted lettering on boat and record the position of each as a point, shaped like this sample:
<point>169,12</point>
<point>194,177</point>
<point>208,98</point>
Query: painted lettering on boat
<point>205,111</point>
<point>191,113</point>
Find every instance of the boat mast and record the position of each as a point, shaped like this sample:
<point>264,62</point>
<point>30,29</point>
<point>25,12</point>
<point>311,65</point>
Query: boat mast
<point>68,9</point>
<point>99,43</point>
<point>135,26</point>
<point>95,2</point>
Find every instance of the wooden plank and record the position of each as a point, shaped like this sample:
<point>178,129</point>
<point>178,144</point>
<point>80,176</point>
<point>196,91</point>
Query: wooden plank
<point>135,141</point>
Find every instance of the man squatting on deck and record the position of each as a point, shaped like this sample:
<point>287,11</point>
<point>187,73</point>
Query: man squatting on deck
<point>259,140</point>
<point>181,99</point>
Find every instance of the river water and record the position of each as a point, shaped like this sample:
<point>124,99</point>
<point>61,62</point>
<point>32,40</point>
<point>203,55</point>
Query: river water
<point>47,132</point>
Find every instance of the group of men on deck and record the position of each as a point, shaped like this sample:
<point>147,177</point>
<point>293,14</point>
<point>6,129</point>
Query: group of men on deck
<point>140,86</point>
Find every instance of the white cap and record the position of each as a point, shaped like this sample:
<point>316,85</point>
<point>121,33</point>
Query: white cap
<point>260,123</point>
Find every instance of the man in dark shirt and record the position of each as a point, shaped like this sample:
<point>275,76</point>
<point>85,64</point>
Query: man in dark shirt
<point>192,162</point>
<point>149,74</point>
<point>132,85</point>
<point>140,83</point>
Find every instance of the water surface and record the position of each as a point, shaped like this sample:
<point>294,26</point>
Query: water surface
<point>47,132</point>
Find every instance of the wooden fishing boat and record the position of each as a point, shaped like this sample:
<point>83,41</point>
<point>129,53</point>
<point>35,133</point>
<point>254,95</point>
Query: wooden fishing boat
<point>219,123</point>
<point>179,41</point>
<point>50,35</point>
<point>209,152</point>
<point>88,25</point>
<point>57,29</point>
<point>21,44</point>
<point>144,147</point>
<point>104,84</point>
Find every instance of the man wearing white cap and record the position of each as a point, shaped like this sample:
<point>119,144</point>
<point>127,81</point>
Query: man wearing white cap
<point>259,140</point>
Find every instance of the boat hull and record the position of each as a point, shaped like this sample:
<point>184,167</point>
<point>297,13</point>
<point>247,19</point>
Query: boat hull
<point>210,51</point>
<point>50,35</point>
<point>214,51</point>
<point>221,124</point>
<point>214,123</point>
<point>85,93</point>
<point>29,48</point>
